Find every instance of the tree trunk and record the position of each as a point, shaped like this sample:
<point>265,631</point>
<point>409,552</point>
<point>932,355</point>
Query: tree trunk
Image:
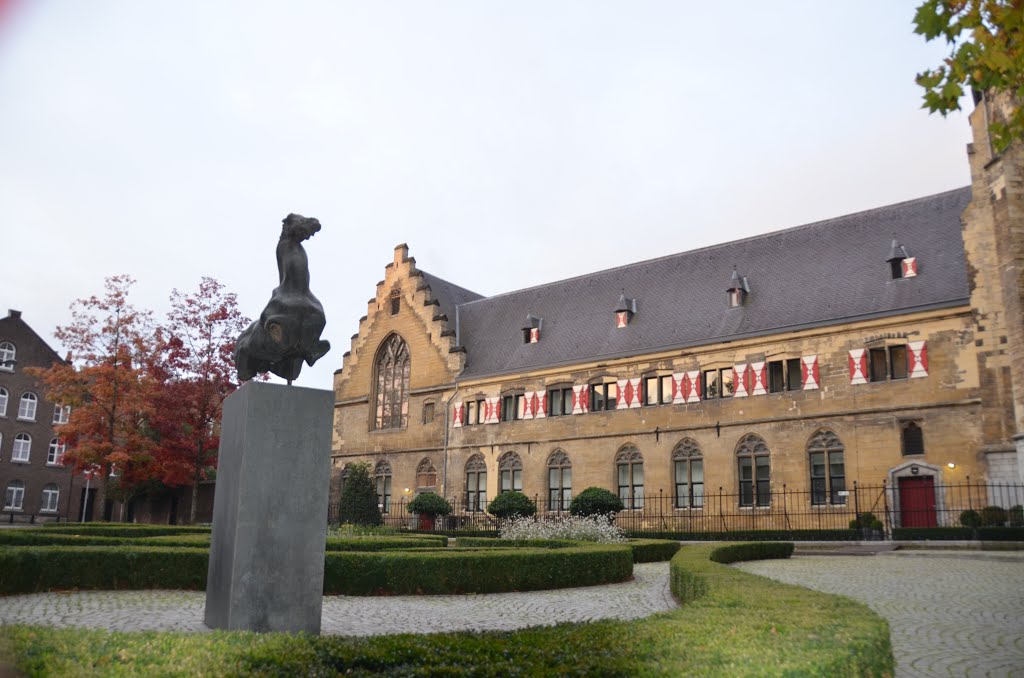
<point>195,485</point>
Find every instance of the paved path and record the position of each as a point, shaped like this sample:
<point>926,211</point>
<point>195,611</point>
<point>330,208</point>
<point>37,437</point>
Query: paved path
<point>950,614</point>
<point>359,616</point>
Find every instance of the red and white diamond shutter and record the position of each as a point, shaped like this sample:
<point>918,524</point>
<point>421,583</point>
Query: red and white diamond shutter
<point>740,381</point>
<point>694,393</point>
<point>760,376</point>
<point>809,372</point>
<point>528,405</point>
<point>634,385</point>
<point>629,394</point>
<point>621,319</point>
<point>917,355</point>
<point>909,267</point>
<point>858,366</point>
<point>493,410</point>
<point>680,387</point>
<point>580,399</point>
<point>457,416</point>
<point>534,335</point>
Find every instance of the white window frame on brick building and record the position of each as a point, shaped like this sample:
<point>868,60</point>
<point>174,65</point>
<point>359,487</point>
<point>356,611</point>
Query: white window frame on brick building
<point>50,498</point>
<point>61,414</point>
<point>27,406</point>
<point>55,452</point>
<point>4,396</point>
<point>22,449</point>
<point>7,356</point>
<point>14,497</point>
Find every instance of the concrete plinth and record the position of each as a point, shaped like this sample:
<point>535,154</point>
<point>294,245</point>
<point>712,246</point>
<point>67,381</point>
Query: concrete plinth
<point>266,568</point>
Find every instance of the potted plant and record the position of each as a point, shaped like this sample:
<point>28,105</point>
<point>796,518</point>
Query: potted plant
<point>869,526</point>
<point>429,506</point>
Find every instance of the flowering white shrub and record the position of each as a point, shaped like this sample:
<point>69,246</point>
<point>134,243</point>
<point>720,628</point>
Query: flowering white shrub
<point>576,528</point>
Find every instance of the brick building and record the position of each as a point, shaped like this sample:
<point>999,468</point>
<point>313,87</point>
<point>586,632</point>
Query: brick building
<point>880,347</point>
<point>37,487</point>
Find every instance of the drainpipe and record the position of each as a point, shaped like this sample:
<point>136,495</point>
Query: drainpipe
<point>447,422</point>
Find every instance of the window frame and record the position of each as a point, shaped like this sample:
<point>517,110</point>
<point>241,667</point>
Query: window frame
<point>53,490</point>
<point>906,426</point>
<point>7,354</point>
<point>629,459</point>
<point>825,487</point>
<point>4,399</point>
<point>22,440</point>
<point>685,455</point>
<point>61,414</point>
<point>28,403</point>
<point>720,374</point>
<point>599,393</point>
<point>904,363</point>
<point>476,468</point>
<point>794,374</point>
<point>426,469</point>
<point>560,493</point>
<point>510,404</point>
<point>661,397</point>
<point>55,452</point>
<point>14,496</point>
<point>753,449</point>
<point>562,395</point>
<point>390,386</point>
<point>395,301</point>
<point>477,408</point>
<point>382,486</point>
<point>510,468</point>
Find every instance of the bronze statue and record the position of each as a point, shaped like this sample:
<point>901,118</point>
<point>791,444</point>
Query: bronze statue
<point>289,328</point>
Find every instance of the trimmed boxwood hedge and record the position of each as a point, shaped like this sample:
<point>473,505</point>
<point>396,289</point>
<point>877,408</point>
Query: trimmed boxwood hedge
<point>737,553</point>
<point>958,533</point>
<point>384,543</point>
<point>488,570</point>
<point>751,535</point>
<point>644,550</point>
<point>653,550</point>
<point>122,529</point>
<point>489,542</point>
<point>31,569</point>
<point>741,625</point>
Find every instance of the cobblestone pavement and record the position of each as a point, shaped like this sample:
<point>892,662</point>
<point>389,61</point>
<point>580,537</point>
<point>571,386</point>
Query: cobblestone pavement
<point>646,594</point>
<point>949,614</point>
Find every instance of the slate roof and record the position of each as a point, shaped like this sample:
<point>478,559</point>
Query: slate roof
<point>817,274</point>
<point>449,295</point>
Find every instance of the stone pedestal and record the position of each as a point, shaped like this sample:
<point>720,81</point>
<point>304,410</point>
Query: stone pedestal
<point>266,568</point>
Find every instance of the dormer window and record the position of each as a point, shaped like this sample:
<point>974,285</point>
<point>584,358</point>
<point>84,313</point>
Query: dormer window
<point>531,332</point>
<point>738,289</point>
<point>624,311</point>
<point>901,264</point>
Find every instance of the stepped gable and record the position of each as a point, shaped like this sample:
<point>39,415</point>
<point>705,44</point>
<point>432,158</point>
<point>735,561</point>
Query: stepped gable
<point>448,295</point>
<point>817,274</point>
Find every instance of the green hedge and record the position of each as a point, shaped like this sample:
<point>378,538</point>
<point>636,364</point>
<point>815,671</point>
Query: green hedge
<point>421,570</point>
<point>653,550</point>
<point>491,542</point>
<point>958,533</point>
<point>50,538</point>
<point>737,553</point>
<point>739,625</point>
<point>123,529</point>
<point>751,535</point>
<point>475,571</point>
<point>644,550</point>
<point>383,543</point>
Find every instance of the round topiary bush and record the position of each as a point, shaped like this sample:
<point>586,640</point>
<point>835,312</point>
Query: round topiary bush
<point>595,501</point>
<point>993,516</point>
<point>512,505</point>
<point>970,518</point>
<point>430,504</point>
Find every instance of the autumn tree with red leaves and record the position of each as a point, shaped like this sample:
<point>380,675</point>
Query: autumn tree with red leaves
<point>107,388</point>
<point>196,369</point>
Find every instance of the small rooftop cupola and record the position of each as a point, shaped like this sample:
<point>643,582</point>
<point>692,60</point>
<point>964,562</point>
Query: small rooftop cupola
<point>738,289</point>
<point>531,331</point>
<point>624,310</point>
<point>901,264</point>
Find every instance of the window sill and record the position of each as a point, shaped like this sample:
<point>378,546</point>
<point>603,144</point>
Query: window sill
<point>26,419</point>
<point>13,509</point>
<point>47,510</point>
<point>21,461</point>
<point>752,508</point>
<point>54,465</point>
<point>688,510</point>
<point>827,506</point>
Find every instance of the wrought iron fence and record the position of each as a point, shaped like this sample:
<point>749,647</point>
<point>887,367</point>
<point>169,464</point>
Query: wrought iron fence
<point>916,503</point>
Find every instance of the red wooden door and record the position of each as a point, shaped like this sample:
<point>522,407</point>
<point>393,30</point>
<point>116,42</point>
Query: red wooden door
<point>917,502</point>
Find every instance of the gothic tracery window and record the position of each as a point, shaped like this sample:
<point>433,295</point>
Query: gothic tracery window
<point>510,473</point>
<point>828,469</point>
<point>754,460</point>
<point>392,396</point>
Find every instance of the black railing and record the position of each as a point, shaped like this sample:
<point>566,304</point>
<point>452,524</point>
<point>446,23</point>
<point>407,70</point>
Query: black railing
<point>911,503</point>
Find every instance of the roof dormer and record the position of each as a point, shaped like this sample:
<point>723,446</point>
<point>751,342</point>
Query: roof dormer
<point>901,264</point>
<point>738,289</point>
<point>531,331</point>
<point>624,310</point>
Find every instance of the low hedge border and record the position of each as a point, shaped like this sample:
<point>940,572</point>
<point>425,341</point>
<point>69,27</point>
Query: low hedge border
<point>958,533</point>
<point>202,540</point>
<point>644,550</point>
<point>751,535</point>
<point>384,543</point>
<point>741,625</point>
<point>31,569</point>
<point>123,529</point>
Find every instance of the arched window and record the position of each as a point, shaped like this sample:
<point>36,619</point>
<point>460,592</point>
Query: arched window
<point>828,468</point>
<point>559,481</point>
<point>382,481</point>
<point>7,353</point>
<point>3,402</point>
<point>392,397</point>
<point>629,474</point>
<point>755,471</point>
<point>51,495</point>
<point>55,452</point>
<point>15,496</point>
<point>27,407</point>
<point>22,447</point>
<point>912,438</point>
<point>476,483</point>
<point>688,470</point>
<point>426,475</point>
<point>510,473</point>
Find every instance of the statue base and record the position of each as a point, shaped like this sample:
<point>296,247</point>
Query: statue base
<point>266,570</point>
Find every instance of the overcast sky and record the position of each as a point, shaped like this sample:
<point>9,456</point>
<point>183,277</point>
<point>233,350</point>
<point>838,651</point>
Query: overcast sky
<point>508,143</point>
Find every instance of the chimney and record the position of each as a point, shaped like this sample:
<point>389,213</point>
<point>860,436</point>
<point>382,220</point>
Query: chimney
<point>11,313</point>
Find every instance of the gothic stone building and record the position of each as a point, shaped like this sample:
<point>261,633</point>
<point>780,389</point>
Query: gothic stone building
<point>884,346</point>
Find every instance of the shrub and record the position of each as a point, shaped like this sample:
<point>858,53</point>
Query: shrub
<point>1001,533</point>
<point>993,516</point>
<point>512,505</point>
<point>764,550</point>
<point>350,530</point>
<point>384,543</point>
<point>122,529</point>
<point>653,550</point>
<point>750,535</point>
<point>595,501</point>
<point>877,525</point>
<point>970,518</point>
<point>430,504</point>
<point>1016,516</point>
<point>358,502</point>
<point>932,533</point>
<point>575,528</point>
<point>863,520</point>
